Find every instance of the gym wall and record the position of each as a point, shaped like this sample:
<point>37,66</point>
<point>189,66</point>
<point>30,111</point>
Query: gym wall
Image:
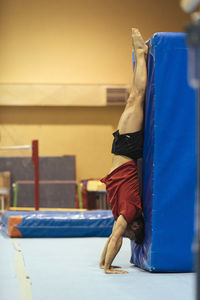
<point>73,42</point>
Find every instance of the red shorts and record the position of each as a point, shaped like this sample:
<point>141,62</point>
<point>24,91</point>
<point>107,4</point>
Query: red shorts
<point>122,186</point>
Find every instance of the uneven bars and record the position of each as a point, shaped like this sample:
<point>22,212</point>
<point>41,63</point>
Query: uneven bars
<point>35,161</point>
<point>46,181</point>
<point>16,147</point>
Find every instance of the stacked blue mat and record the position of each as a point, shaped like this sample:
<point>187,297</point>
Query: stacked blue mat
<point>57,223</point>
<point>169,159</point>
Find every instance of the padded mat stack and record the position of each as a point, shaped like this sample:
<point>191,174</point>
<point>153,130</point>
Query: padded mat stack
<point>169,159</point>
<point>57,223</point>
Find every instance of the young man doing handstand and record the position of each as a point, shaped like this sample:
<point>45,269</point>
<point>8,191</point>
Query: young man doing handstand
<point>122,182</point>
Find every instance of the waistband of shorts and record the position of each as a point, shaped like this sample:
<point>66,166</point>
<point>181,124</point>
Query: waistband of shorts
<point>129,163</point>
<point>140,132</point>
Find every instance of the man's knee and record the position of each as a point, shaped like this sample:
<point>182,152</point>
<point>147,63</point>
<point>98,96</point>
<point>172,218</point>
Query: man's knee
<point>136,98</point>
<point>134,110</point>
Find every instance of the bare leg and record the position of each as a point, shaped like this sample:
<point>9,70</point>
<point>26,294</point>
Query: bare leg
<point>132,118</point>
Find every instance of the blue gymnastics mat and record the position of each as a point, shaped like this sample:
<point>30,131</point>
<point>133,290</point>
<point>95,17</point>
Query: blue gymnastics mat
<point>169,159</point>
<point>57,223</point>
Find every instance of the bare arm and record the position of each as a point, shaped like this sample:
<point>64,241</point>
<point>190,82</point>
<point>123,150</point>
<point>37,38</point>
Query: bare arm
<point>103,255</point>
<point>114,245</point>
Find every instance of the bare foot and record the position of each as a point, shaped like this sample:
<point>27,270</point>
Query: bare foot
<point>138,42</point>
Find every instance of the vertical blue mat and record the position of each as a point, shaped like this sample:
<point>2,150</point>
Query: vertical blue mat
<point>169,159</point>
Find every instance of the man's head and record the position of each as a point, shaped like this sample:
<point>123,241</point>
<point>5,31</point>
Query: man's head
<point>135,230</point>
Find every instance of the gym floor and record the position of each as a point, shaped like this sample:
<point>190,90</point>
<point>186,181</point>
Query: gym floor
<point>67,268</point>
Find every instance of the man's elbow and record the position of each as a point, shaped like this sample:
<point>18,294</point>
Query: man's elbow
<point>114,238</point>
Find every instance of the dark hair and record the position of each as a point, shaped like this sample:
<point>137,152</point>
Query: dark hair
<point>139,230</point>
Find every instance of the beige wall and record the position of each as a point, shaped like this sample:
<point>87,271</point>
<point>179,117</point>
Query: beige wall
<point>77,41</point>
<point>73,42</point>
<point>85,132</point>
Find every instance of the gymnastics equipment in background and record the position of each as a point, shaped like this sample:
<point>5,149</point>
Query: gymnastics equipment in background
<point>69,222</point>
<point>43,224</point>
<point>169,160</point>
<point>35,161</point>
<point>59,188</point>
<point>4,191</point>
<point>91,194</point>
<point>57,181</point>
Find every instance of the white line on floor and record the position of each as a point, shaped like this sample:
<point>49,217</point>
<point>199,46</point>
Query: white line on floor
<point>25,289</point>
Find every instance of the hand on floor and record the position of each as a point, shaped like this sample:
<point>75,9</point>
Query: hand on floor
<point>113,271</point>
